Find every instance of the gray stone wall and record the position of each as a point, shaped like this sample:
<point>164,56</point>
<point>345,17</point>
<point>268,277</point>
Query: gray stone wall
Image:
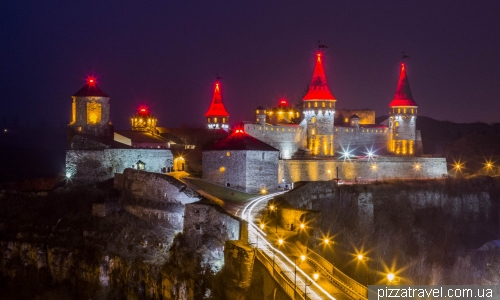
<point>247,171</point>
<point>355,137</point>
<point>261,171</point>
<point>386,168</point>
<point>407,126</point>
<point>200,218</point>
<point>320,129</point>
<point>234,166</point>
<point>286,138</point>
<point>80,126</point>
<point>91,166</point>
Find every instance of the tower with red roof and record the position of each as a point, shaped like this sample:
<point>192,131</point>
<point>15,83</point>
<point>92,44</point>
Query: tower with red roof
<point>90,112</point>
<point>403,118</point>
<point>217,116</point>
<point>319,111</point>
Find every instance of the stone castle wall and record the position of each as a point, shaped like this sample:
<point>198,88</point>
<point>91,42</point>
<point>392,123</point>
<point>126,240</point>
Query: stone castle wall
<point>286,138</point>
<point>91,166</point>
<point>261,171</point>
<point>353,137</point>
<point>386,168</point>
<point>247,171</point>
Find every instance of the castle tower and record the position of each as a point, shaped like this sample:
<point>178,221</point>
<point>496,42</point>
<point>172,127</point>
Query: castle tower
<point>260,115</point>
<point>402,118</point>
<point>143,121</point>
<point>217,116</point>
<point>90,112</point>
<point>319,111</point>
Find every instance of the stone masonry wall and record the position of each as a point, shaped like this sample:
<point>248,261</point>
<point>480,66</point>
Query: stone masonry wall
<point>366,116</point>
<point>352,137</point>
<point>286,138</point>
<point>91,166</point>
<point>386,168</point>
<point>234,172</point>
<point>261,171</point>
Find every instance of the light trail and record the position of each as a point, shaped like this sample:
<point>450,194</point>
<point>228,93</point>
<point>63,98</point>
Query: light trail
<point>246,214</point>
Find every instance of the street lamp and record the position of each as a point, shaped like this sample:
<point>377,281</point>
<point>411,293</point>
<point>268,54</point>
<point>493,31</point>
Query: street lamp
<point>303,258</point>
<point>390,277</point>
<point>330,174</point>
<point>315,277</point>
<point>275,209</point>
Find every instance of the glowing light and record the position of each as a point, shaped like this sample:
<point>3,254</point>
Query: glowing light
<point>326,241</point>
<point>417,167</point>
<point>302,225</point>
<point>262,226</point>
<point>303,257</point>
<point>316,276</point>
<point>68,175</point>
<point>280,242</point>
<point>263,191</point>
<point>374,167</point>
<point>271,207</point>
<point>390,277</point>
<point>360,256</point>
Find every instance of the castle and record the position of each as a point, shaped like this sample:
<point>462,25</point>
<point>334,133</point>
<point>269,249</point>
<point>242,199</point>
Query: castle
<point>283,145</point>
<point>318,142</point>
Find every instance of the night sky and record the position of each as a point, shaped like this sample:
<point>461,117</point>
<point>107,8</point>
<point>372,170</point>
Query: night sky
<point>166,54</point>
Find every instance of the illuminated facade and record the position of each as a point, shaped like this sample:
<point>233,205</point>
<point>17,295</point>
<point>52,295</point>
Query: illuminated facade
<point>321,131</point>
<point>217,116</point>
<point>90,112</point>
<point>403,119</point>
<point>143,121</point>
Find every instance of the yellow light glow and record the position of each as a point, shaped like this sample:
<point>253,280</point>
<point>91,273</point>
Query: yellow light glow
<point>263,191</point>
<point>302,225</point>
<point>360,256</point>
<point>222,169</point>
<point>303,257</point>
<point>326,241</point>
<point>262,226</point>
<point>94,110</point>
<point>390,277</point>
<point>374,167</point>
<point>271,207</point>
<point>316,276</point>
<point>280,241</point>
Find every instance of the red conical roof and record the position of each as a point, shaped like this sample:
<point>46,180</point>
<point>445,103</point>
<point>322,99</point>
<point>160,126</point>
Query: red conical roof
<point>319,90</point>
<point>217,107</point>
<point>403,95</point>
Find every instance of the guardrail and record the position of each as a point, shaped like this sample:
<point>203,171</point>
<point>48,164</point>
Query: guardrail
<point>337,277</point>
<point>288,286</point>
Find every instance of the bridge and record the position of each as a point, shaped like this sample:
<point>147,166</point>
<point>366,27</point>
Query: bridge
<point>296,278</point>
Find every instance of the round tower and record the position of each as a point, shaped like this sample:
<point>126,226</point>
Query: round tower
<point>319,111</point>
<point>217,116</point>
<point>402,118</point>
<point>260,115</point>
<point>90,112</point>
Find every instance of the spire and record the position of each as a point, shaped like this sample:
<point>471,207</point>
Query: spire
<point>319,90</point>
<point>403,95</point>
<point>217,107</point>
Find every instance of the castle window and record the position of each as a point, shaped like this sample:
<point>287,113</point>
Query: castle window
<point>288,129</point>
<point>266,127</point>
<point>322,104</point>
<point>412,110</point>
<point>263,155</point>
<point>346,120</point>
<point>313,131</point>
<point>396,123</point>
<point>222,169</point>
<point>313,120</point>
<point>404,110</point>
<point>399,110</point>
<point>346,130</point>
<point>73,112</point>
<point>260,128</point>
<point>223,120</point>
<point>308,104</point>
<point>197,226</point>
<point>283,129</point>
<point>228,153</point>
<point>330,105</point>
<point>79,128</point>
<point>315,104</point>
<point>215,120</point>
<point>272,128</point>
